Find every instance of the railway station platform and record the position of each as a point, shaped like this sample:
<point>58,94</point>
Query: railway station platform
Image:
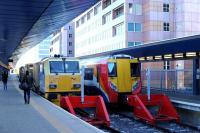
<point>40,116</point>
<point>185,101</point>
<point>187,105</point>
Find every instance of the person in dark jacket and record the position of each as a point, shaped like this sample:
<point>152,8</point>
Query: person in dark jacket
<point>26,86</point>
<point>5,79</point>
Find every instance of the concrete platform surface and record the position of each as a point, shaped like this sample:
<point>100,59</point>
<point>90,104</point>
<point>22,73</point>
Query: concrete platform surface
<point>40,116</point>
<point>184,101</point>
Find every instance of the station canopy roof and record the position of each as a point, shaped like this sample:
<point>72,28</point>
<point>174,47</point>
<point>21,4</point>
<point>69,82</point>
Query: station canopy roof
<point>25,23</point>
<point>172,49</point>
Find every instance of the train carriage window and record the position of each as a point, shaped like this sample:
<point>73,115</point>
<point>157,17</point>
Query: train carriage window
<point>41,68</point>
<point>56,67</point>
<point>88,73</point>
<point>71,66</point>
<point>135,69</point>
<point>112,69</point>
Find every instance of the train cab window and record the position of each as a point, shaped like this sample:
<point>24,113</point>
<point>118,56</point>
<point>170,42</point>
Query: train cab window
<point>88,73</point>
<point>56,67</point>
<point>112,69</point>
<point>135,69</point>
<point>71,67</point>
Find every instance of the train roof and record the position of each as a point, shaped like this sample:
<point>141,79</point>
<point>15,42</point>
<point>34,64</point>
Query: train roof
<point>58,58</point>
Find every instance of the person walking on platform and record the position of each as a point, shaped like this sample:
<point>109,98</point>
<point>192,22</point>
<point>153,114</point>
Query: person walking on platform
<point>5,79</point>
<point>26,86</point>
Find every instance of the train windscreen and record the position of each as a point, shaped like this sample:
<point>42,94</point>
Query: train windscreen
<point>56,67</point>
<point>112,69</point>
<point>71,67</point>
<point>135,69</point>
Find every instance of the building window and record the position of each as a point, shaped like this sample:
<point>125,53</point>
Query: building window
<point>97,9</point>
<point>119,11</point>
<point>165,7</point>
<point>106,3</point>
<point>138,27</point>
<point>70,52</point>
<point>166,26</point>
<point>70,43</point>
<point>130,5</point>
<point>89,14</point>
<point>70,27</point>
<point>130,44</point>
<point>138,9</point>
<point>135,27</point>
<point>77,23</point>
<point>83,19</point>
<point>106,18</point>
<point>118,29</point>
<point>130,26</point>
<point>138,43</point>
<point>70,35</point>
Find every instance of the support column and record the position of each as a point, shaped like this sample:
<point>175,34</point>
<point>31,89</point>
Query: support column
<point>196,76</point>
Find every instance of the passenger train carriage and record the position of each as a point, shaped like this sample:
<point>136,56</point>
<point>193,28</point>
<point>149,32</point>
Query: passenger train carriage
<point>112,77</point>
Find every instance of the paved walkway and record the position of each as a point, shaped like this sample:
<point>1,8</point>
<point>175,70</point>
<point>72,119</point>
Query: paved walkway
<point>40,116</point>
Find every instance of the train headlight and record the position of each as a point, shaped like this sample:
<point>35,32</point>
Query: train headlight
<point>52,86</point>
<point>113,87</point>
<point>76,86</point>
<point>135,86</point>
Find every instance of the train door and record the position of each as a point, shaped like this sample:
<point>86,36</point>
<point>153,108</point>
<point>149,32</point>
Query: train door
<point>123,75</point>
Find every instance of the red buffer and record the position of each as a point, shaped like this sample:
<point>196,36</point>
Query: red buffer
<point>158,108</point>
<point>73,102</point>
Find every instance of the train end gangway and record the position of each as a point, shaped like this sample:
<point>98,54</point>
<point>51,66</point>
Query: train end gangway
<point>100,117</point>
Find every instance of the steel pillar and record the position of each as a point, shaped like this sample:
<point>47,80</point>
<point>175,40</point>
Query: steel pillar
<point>196,76</point>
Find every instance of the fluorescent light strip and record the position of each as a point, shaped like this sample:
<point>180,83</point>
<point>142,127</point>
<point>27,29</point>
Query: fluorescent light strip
<point>190,54</point>
<point>158,57</point>
<point>150,58</point>
<point>168,56</point>
<point>178,55</point>
<point>142,59</point>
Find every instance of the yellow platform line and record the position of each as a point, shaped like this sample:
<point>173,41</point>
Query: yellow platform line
<point>58,125</point>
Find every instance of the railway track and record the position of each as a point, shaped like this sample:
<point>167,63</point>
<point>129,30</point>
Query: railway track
<point>128,125</point>
<point>125,122</point>
<point>177,128</point>
<point>170,127</point>
<point>122,124</point>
